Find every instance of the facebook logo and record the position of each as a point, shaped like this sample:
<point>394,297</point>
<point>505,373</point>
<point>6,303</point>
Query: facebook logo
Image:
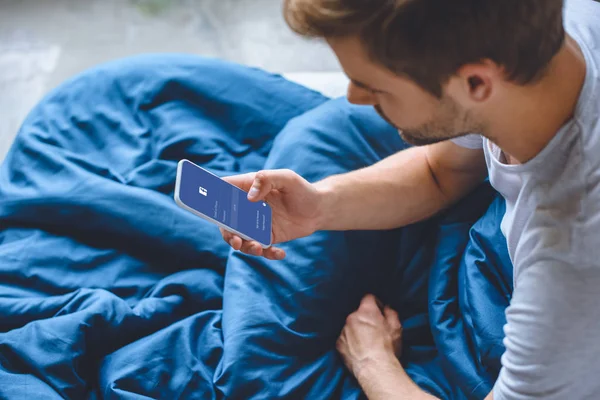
<point>203,191</point>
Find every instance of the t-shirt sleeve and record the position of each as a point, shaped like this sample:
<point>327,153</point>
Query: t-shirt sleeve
<point>552,332</point>
<point>472,141</point>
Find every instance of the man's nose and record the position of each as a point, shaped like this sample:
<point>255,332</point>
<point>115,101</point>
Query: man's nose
<point>360,96</point>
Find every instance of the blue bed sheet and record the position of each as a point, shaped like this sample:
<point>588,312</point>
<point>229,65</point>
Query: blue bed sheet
<point>109,290</point>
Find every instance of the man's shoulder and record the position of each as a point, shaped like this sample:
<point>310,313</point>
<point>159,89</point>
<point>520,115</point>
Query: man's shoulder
<point>583,23</point>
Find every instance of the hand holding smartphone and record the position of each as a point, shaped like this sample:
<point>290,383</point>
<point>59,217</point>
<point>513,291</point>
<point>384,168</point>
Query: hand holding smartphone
<point>217,201</point>
<point>280,206</point>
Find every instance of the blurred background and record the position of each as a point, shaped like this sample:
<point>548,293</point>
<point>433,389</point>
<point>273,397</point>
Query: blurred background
<point>44,42</point>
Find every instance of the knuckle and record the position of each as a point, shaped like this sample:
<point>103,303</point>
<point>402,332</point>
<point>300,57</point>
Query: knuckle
<point>367,305</point>
<point>270,254</point>
<point>289,174</point>
<point>260,176</point>
<point>245,247</point>
<point>366,300</point>
<point>370,298</point>
<point>351,319</point>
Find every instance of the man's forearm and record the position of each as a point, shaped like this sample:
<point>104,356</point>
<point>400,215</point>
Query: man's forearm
<point>395,192</point>
<point>390,382</point>
<point>398,191</point>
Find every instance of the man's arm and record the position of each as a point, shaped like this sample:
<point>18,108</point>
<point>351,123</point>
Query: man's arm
<point>553,321</point>
<point>391,382</point>
<point>388,382</point>
<point>370,345</point>
<point>402,189</point>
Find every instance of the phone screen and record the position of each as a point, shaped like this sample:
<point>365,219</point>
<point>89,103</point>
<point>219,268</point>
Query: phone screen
<point>213,197</point>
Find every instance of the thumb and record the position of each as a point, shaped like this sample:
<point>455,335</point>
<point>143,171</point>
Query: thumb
<point>266,181</point>
<point>243,181</point>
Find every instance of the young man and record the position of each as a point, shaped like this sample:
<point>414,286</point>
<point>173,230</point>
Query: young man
<point>529,86</point>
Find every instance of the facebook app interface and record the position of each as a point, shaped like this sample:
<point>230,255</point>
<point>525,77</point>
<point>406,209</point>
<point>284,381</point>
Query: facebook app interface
<point>224,203</point>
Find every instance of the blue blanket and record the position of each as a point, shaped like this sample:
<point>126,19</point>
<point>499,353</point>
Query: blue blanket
<point>109,290</point>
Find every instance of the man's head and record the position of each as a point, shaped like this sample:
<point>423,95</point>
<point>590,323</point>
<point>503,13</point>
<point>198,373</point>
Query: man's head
<point>434,68</point>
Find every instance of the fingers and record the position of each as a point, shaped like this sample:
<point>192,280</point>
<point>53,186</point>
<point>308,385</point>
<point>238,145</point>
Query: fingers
<point>243,181</point>
<point>372,304</point>
<point>380,304</point>
<point>260,184</point>
<point>395,328</point>
<point>266,181</point>
<point>255,249</point>
<point>250,247</point>
<point>274,253</point>
<point>369,304</point>
<point>231,239</point>
<point>391,317</point>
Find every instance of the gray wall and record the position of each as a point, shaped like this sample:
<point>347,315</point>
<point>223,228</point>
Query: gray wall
<point>44,42</point>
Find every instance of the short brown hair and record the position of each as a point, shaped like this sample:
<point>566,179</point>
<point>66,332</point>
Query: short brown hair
<point>429,40</point>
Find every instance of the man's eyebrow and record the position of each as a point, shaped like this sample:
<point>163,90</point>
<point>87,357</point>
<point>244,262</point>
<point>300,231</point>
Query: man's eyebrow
<point>364,86</point>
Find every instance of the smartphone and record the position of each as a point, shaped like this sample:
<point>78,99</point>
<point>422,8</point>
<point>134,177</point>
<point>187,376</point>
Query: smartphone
<point>210,197</point>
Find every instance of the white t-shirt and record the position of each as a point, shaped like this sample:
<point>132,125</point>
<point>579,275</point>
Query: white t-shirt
<point>552,228</point>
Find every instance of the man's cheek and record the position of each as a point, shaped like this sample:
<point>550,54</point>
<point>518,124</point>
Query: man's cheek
<point>383,115</point>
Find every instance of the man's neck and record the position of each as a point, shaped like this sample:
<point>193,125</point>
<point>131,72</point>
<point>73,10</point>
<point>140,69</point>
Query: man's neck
<point>526,125</point>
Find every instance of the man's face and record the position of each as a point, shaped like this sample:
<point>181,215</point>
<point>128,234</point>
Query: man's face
<point>420,117</point>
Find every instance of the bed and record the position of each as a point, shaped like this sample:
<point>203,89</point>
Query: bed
<point>109,290</point>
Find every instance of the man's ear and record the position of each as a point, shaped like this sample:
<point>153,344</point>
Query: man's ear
<point>478,81</point>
